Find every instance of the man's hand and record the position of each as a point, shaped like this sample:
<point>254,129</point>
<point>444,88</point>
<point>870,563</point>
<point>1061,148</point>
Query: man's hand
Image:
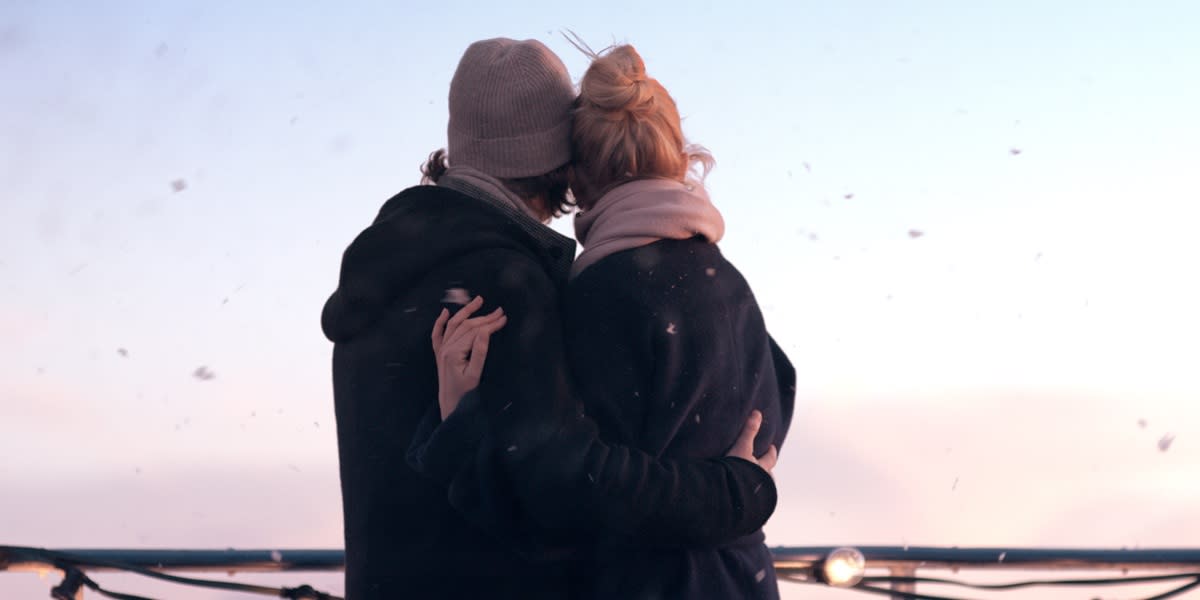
<point>743,448</point>
<point>460,346</point>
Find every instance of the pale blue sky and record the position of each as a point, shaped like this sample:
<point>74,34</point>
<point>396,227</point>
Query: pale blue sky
<point>1046,152</point>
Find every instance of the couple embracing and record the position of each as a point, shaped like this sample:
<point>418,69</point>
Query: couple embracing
<point>600,426</point>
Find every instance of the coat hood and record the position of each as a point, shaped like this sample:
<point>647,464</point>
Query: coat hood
<point>419,230</point>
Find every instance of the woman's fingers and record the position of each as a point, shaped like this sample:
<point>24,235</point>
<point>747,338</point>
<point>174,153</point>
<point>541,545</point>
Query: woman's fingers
<point>461,337</point>
<point>491,324</point>
<point>743,448</point>
<point>768,460</point>
<point>462,356</point>
<point>463,314</point>
<point>479,348</point>
<point>439,331</point>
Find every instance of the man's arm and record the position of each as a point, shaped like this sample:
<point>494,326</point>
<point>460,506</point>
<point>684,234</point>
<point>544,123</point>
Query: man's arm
<point>541,462</point>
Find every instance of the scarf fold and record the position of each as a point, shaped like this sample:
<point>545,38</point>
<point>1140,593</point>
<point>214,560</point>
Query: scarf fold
<point>642,212</point>
<point>477,184</point>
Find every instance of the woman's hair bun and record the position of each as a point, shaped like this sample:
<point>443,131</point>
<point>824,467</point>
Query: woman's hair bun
<point>617,81</point>
<point>626,126</point>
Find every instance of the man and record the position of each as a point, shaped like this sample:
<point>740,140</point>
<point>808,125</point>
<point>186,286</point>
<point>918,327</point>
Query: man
<point>486,518</point>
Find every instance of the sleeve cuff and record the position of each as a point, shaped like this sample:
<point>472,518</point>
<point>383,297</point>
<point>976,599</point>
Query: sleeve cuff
<point>440,448</point>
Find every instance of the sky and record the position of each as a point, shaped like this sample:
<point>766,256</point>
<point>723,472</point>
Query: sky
<point>970,226</point>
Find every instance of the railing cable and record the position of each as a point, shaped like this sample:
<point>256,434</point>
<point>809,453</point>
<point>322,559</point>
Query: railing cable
<point>1193,581</point>
<point>801,565</point>
<point>72,567</point>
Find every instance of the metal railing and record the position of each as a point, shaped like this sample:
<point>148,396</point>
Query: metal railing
<point>865,568</point>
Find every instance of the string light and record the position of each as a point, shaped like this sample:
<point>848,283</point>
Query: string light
<point>844,567</point>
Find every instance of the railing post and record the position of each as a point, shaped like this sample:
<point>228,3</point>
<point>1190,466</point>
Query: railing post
<point>71,587</point>
<point>903,586</point>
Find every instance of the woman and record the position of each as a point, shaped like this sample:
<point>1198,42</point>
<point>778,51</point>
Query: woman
<point>667,346</point>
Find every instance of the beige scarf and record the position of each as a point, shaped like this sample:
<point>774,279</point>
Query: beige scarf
<point>642,212</point>
<point>476,183</point>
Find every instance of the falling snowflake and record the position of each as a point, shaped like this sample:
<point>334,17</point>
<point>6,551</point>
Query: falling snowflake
<point>456,295</point>
<point>806,167</point>
<point>1002,555</point>
<point>203,373</point>
<point>340,143</point>
<point>1014,151</point>
<point>276,556</point>
<point>759,576</point>
<point>512,448</point>
<point>711,272</point>
<point>954,486</point>
<point>123,352</point>
<point>1142,423</point>
<point>1164,443</point>
<point>697,417</point>
<point>915,233</point>
<point>848,196</point>
<point>178,185</point>
<point>671,328</point>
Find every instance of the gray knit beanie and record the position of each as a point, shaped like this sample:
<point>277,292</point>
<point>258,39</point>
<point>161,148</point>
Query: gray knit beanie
<point>510,109</point>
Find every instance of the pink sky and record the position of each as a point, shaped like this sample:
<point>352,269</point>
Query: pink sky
<point>982,384</point>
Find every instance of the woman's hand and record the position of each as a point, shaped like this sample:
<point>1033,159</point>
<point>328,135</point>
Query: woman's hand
<point>743,448</point>
<point>460,346</point>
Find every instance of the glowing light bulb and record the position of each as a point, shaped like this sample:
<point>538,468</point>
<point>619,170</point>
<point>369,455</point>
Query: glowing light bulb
<point>844,567</point>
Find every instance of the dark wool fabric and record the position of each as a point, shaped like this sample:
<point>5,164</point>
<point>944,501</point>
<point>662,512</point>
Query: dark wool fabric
<point>517,476</point>
<point>669,353</point>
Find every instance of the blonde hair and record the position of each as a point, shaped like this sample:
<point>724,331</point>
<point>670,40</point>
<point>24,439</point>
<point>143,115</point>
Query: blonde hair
<point>627,127</point>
